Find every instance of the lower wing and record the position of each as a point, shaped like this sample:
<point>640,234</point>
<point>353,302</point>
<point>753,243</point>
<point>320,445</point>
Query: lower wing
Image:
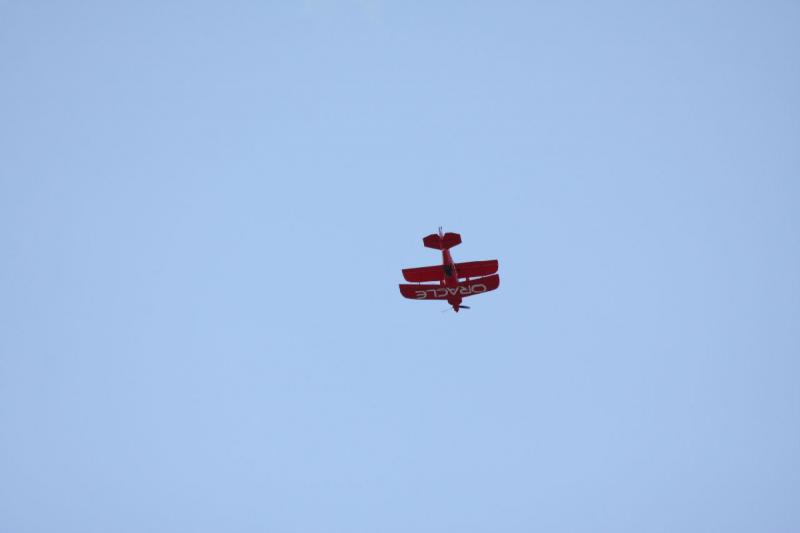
<point>438,292</point>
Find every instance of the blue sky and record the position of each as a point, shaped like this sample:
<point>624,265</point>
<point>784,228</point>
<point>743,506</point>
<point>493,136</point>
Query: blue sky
<point>205,207</point>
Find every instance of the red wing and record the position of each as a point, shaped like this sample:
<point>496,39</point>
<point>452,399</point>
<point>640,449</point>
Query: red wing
<point>421,274</point>
<point>438,292</point>
<point>424,292</point>
<point>471,269</point>
<point>479,285</point>
<point>474,269</point>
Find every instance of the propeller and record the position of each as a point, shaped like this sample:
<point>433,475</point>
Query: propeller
<point>450,308</point>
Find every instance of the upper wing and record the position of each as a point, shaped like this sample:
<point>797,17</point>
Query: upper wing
<point>418,275</point>
<point>470,269</point>
<point>474,269</point>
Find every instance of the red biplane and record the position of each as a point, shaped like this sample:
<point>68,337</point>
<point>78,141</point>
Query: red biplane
<point>480,276</point>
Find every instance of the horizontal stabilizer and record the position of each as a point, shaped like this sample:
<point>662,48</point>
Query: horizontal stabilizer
<point>442,242</point>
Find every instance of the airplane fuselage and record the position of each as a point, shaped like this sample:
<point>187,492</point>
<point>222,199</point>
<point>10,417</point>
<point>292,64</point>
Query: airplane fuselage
<point>451,280</point>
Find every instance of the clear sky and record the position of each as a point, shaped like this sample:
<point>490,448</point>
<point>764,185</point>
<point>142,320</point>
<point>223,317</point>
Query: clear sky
<point>205,207</point>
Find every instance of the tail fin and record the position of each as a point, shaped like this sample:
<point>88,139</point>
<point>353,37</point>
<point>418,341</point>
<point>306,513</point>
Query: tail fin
<point>439,241</point>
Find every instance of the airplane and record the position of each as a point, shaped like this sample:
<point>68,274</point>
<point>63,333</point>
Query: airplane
<point>480,276</point>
